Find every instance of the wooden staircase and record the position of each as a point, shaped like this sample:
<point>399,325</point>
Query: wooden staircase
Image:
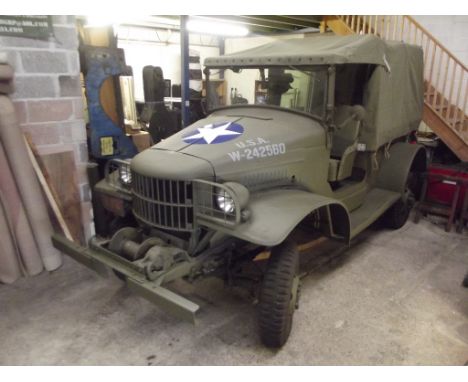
<point>445,77</point>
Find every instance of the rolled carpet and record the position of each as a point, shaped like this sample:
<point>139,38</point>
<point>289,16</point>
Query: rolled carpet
<point>9,266</point>
<point>27,184</point>
<point>20,228</point>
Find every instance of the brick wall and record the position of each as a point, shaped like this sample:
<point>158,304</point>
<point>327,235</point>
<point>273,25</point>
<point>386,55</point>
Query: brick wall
<point>48,98</point>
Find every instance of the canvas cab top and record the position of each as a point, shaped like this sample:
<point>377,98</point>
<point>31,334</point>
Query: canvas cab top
<point>385,77</point>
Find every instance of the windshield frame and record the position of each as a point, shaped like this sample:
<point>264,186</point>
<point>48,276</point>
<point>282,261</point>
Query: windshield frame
<point>328,96</point>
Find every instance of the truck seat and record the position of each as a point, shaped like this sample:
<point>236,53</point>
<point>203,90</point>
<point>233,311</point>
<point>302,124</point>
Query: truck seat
<point>344,145</point>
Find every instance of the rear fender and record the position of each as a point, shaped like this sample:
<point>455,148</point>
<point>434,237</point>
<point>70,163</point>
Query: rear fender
<point>403,158</point>
<point>275,213</point>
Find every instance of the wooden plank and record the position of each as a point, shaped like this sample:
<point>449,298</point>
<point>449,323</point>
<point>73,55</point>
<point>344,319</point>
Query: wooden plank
<point>426,50</point>
<point>402,28</point>
<point>337,25</point>
<point>388,19</point>
<point>429,78</point>
<point>452,82</point>
<point>62,169</point>
<point>48,189</point>
<point>395,22</point>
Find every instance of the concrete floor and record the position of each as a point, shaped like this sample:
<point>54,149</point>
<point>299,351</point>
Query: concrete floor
<point>394,298</point>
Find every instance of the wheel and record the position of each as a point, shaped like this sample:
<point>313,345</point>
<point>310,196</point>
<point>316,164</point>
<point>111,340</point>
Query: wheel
<point>279,295</point>
<point>397,215</point>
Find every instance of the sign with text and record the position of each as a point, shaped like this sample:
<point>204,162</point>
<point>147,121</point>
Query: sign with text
<point>35,27</point>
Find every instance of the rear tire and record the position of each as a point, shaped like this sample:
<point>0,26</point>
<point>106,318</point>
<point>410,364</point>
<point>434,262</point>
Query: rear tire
<point>397,215</point>
<point>279,295</point>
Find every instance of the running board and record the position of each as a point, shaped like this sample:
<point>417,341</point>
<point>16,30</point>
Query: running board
<point>376,203</point>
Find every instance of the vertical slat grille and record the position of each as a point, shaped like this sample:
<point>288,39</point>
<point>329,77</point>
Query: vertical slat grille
<point>163,203</point>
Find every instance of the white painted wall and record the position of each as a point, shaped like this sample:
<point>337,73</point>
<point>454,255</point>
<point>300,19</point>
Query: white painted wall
<point>451,31</point>
<point>159,48</point>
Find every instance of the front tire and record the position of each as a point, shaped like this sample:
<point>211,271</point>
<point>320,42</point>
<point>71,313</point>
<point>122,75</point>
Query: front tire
<point>279,295</point>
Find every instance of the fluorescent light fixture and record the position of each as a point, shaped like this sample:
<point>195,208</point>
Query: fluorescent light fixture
<point>217,28</point>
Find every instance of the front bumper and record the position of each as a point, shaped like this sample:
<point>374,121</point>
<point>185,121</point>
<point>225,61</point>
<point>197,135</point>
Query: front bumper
<point>99,259</point>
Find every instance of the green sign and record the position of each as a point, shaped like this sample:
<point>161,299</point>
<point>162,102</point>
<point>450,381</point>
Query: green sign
<point>36,27</point>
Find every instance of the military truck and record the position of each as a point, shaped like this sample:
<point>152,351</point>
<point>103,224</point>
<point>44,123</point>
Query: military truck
<point>321,142</point>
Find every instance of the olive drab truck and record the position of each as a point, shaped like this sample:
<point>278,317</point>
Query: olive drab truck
<point>321,139</point>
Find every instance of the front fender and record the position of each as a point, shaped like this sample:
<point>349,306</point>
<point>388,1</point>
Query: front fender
<point>275,213</point>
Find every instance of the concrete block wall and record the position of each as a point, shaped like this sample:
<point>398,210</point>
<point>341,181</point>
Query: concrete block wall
<point>48,98</point>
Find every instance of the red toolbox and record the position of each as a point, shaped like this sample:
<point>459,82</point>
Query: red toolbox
<point>442,191</point>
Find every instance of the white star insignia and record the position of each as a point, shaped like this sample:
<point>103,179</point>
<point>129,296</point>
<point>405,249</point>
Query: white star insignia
<point>210,133</point>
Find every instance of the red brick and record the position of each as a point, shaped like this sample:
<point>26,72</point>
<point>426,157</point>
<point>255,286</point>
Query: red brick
<point>50,110</point>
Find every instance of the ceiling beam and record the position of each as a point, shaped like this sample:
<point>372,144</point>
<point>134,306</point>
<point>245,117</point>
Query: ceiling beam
<point>286,21</point>
<point>244,20</point>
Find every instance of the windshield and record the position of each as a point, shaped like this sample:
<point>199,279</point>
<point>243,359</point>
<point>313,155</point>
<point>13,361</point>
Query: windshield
<point>299,88</point>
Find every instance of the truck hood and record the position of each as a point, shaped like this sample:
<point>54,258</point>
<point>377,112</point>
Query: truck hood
<point>272,124</point>
<point>248,138</point>
<point>240,140</point>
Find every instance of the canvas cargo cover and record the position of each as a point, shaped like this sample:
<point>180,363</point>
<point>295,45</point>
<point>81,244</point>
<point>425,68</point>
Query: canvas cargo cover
<point>325,49</point>
<point>393,96</point>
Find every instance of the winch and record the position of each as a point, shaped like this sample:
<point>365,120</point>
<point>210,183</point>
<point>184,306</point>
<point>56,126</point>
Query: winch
<point>152,255</point>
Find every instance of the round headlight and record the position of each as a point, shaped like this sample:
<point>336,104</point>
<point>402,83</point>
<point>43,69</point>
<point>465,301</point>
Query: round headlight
<point>125,175</point>
<point>224,201</point>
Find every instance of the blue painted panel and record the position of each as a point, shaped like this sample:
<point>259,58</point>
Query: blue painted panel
<point>102,63</point>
